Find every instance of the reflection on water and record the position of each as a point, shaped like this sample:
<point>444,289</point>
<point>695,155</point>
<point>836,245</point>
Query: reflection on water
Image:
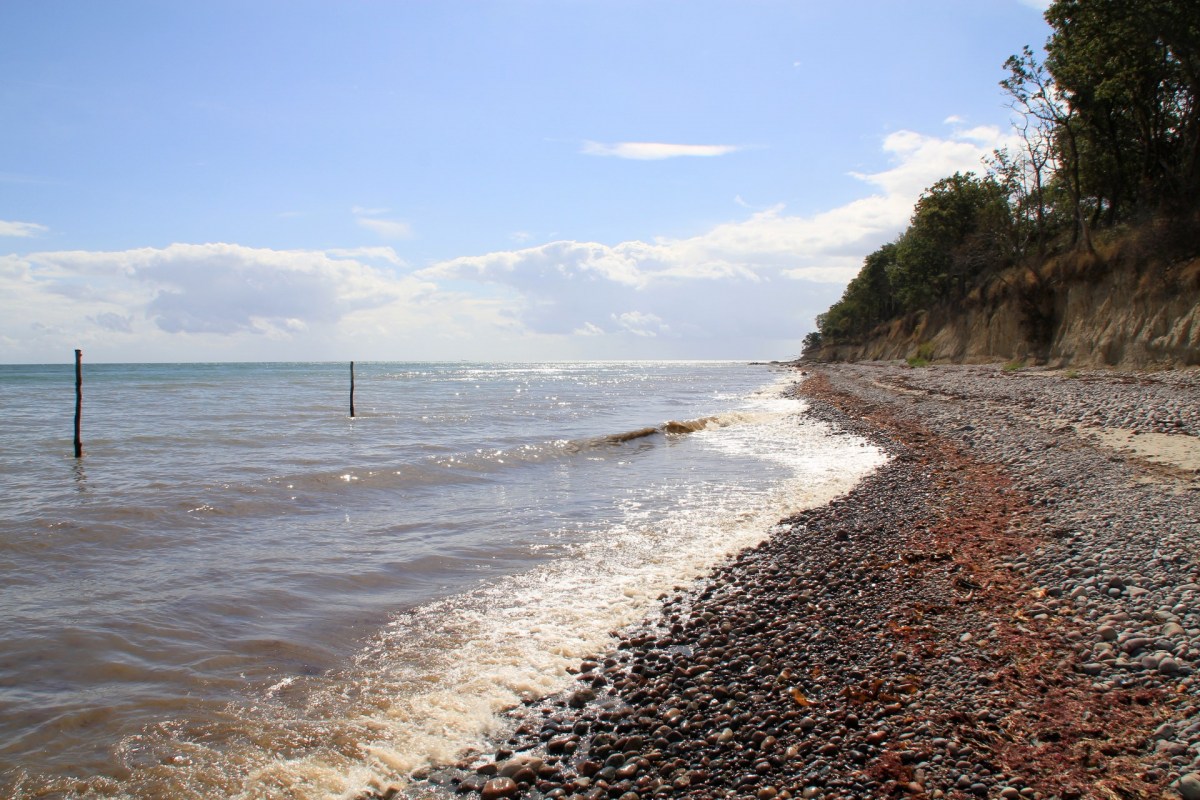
<point>80,476</point>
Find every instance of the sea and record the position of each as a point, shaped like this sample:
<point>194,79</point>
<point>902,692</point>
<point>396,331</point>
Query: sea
<point>242,591</point>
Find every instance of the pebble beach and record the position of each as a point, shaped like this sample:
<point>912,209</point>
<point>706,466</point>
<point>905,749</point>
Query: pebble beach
<point>1009,608</point>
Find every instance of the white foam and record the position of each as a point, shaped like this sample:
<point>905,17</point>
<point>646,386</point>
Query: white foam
<point>439,676</point>
<point>433,684</point>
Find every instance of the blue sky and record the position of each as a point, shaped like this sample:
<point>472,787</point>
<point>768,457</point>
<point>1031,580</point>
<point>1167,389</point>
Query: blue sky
<point>519,179</point>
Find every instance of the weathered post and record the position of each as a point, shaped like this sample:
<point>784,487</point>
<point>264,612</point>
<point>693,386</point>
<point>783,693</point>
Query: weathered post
<point>351,388</point>
<point>78,401</point>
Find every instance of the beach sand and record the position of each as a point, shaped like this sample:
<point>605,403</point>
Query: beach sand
<point>1009,608</point>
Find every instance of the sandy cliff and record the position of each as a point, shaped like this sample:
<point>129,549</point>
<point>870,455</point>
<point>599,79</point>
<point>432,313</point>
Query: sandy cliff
<point>1112,308</point>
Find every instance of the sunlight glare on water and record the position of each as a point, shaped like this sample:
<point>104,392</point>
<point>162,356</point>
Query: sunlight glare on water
<point>226,600</point>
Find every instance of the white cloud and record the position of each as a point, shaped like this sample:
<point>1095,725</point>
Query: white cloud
<point>387,228</point>
<point>386,254</point>
<point>21,229</point>
<point>215,300</point>
<point>761,276</point>
<point>654,151</point>
<point>213,288</point>
<point>986,135</point>
<point>371,219</point>
<point>641,324</point>
<point>921,159</point>
<point>745,288</point>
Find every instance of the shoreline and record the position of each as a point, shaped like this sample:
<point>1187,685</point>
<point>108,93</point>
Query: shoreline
<point>1008,608</point>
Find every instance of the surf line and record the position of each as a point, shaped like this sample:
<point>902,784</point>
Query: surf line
<point>672,427</point>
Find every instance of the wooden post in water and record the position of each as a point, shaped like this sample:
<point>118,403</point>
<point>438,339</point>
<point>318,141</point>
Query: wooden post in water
<point>351,388</point>
<point>78,401</point>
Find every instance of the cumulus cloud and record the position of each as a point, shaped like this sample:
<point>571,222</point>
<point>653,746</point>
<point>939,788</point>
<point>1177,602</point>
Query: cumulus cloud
<point>217,288</point>
<point>745,278</point>
<point>655,151</point>
<point>921,159</point>
<point>218,293</point>
<point>746,288</point>
<point>21,229</point>
<point>641,324</point>
<point>386,254</point>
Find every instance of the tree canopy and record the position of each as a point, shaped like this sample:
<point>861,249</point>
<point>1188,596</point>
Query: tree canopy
<point>1109,124</point>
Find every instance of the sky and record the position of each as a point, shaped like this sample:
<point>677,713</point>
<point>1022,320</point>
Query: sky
<point>515,180</point>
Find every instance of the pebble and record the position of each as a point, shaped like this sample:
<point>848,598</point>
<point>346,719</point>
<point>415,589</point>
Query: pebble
<point>1189,786</point>
<point>498,788</point>
<point>853,654</point>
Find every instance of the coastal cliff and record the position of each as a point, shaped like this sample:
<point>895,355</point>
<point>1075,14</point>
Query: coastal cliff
<point>1117,307</point>
<point>1078,244</point>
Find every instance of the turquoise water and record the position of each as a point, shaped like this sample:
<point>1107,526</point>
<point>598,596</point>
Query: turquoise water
<point>242,590</point>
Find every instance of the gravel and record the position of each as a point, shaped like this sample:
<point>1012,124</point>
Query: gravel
<point>1006,609</point>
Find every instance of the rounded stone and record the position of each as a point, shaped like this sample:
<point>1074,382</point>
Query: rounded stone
<point>1173,629</point>
<point>499,789</point>
<point>1189,786</point>
<point>525,775</point>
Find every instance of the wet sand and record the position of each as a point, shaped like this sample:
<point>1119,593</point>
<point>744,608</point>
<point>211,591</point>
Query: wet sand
<point>1009,608</point>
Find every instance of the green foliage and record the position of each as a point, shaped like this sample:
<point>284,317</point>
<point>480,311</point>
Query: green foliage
<point>922,357</point>
<point>1014,365</point>
<point>1108,128</point>
<point>867,301</point>
<point>1129,72</point>
<point>812,341</point>
<point>959,231</point>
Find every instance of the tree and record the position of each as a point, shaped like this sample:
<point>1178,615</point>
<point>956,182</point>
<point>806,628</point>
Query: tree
<point>1050,129</point>
<point>960,229</point>
<point>1025,176</point>
<point>867,301</point>
<point>1128,71</point>
<point>812,341</point>
<point>1109,127</point>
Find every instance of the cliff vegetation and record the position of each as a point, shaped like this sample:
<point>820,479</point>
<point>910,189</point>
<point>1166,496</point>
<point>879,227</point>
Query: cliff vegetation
<point>1082,244</point>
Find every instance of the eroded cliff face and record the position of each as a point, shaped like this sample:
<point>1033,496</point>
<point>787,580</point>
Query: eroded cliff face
<point>1075,311</point>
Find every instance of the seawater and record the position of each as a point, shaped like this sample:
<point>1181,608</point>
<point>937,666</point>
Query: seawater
<point>241,591</point>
